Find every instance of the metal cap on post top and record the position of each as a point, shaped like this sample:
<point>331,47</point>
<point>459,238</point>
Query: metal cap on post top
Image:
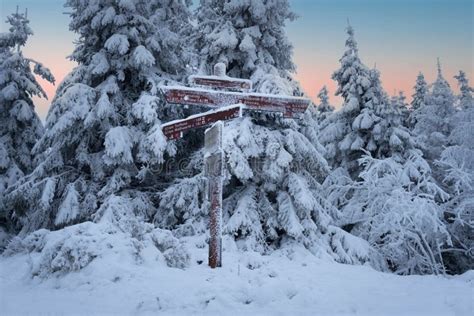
<point>220,70</point>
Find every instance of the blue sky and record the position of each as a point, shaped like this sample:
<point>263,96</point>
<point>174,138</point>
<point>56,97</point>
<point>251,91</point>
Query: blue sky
<point>402,37</point>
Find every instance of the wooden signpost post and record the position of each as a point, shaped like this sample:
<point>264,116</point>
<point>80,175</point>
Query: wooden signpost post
<point>228,104</point>
<point>214,172</point>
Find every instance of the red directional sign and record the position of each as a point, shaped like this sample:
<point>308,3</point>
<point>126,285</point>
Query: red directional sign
<point>289,106</point>
<point>217,82</point>
<point>174,129</point>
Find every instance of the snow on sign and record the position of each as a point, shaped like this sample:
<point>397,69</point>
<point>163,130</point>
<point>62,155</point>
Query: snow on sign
<point>221,82</point>
<point>214,172</point>
<point>174,129</point>
<point>289,106</point>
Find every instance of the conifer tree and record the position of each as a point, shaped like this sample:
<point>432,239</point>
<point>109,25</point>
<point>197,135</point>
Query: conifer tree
<point>398,101</point>
<point>103,133</point>
<point>433,121</point>
<point>20,126</point>
<point>382,185</point>
<point>421,91</point>
<point>466,97</point>
<point>354,129</point>
<point>324,109</point>
<point>457,163</point>
<point>324,105</point>
<point>419,99</point>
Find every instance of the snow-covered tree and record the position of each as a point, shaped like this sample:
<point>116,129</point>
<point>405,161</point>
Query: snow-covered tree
<point>466,98</point>
<point>380,175</point>
<point>324,109</point>
<point>421,91</point>
<point>418,98</point>
<point>367,122</point>
<point>342,142</point>
<point>433,121</point>
<point>394,209</point>
<point>324,105</point>
<point>103,133</point>
<point>457,163</point>
<point>20,126</point>
<point>400,104</point>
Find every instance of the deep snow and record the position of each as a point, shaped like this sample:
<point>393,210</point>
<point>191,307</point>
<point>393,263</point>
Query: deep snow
<point>289,282</point>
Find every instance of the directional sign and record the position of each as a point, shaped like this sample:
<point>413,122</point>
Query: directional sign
<point>289,106</point>
<point>221,82</point>
<point>175,129</point>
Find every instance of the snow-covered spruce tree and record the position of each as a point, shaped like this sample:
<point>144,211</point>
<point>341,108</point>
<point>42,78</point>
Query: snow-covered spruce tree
<point>389,138</point>
<point>344,141</point>
<point>359,126</point>
<point>466,100</point>
<point>324,105</point>
<point>418,99</point>
<point>274,166</point>
<point>399,103</point>
<point>433,121</point>
<point>457,163</point>
<point>421,91</point>
<point>377,167</point>
<point>393,201</point>
<point>20,126</point>
<point>103,133</point>
<point>324,108</point>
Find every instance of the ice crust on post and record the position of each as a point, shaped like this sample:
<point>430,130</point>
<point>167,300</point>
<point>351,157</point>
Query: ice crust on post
<point>214,164</point>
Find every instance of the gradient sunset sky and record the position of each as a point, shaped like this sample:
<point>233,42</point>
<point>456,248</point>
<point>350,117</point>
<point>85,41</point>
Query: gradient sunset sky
<point>402,37</point>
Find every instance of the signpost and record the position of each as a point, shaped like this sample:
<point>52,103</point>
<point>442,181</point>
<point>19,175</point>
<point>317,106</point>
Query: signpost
<point>228,105</point>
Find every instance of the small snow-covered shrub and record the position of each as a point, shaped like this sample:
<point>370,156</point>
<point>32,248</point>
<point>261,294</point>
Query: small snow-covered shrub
<point>63,254</point>
<point>59,252</point>
<point>4,239</point>
<point>120,231</point>
<point>347,248</point>
<point>397,214</point>
<point>176,255</point>
<point>33,242</point>
<point>126,214</point>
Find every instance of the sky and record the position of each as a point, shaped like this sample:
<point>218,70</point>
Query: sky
<point>400,37</point>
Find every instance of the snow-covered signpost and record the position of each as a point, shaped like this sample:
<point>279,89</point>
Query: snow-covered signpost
<point>228,104</point>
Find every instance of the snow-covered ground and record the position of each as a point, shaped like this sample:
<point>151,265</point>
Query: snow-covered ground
<point>288,282</point>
